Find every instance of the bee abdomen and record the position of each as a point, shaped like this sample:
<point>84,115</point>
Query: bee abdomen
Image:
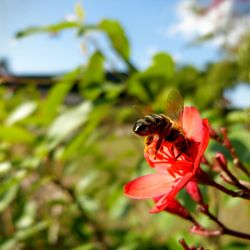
<point>154,119</point>
<point>173,135</point>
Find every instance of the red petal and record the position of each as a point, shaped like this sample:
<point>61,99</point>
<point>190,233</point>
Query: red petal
<point>203,145</point>
<point>192,123</point>
<point>149,186</point>
<point>162,203</point>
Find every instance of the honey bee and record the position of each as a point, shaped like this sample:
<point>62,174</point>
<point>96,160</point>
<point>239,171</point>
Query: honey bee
<point>167,126</point>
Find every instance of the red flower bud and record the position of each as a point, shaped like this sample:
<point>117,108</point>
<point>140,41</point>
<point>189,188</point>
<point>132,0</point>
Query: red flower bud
<point>193,190</point>
<point>174,207</point>
<point>221,159</point>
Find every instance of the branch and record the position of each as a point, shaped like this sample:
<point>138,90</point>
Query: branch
<point>223,229</point>
<point>228,145</point>
<point>233,180</point>
<point>186,247</point>
<point>202,178</point>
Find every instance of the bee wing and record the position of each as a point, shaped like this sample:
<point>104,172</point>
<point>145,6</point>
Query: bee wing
<point>142,110</point>
<point>174,106</point>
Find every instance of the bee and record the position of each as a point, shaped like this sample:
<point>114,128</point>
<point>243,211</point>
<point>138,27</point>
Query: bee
<point>167,127</point>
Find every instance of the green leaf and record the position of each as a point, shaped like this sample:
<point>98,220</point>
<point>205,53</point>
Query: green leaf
<point>94,72</point>
<point>239,116</point>
<point>28,215</point>
<point>7,197</point>
<point>236,245</point>
<point>79,12</point>
<point>15,134</point>
<point>54,28</point>
<point>22,235</point>
<point>88,133</point>
<point>5,167</point>
<point>79,141</point>
<point>8,244</point>
<point>69,121</point>
<point>85,182</point>
<point>57,95</point>
<point>30,231</point>
<point>87,246</point>
<point>136,88</point>
<point>12,181</point>
<point>162,66</point>
<point>202,39</point>
<point>23,111</point>
<point>117,37</point>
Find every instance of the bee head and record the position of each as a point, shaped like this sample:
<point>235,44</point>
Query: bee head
<point>141,128</point>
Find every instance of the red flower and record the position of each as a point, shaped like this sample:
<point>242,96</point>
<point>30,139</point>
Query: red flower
<point>172,173</point>
<point>174,207</point>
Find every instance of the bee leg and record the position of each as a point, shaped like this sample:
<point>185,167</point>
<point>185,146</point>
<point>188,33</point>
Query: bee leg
<point>158,145</point>
<point>148,140</point>
<point>179,154</point>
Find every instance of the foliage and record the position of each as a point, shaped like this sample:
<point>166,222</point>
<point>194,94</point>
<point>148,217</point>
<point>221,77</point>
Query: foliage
<point>64,163</point>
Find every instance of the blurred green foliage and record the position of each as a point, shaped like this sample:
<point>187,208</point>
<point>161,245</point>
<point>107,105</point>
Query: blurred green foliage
<point>63,166</point>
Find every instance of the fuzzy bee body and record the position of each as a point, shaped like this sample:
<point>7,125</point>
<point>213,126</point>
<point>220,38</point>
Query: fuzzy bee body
<point>167,127</point>
<point>152,124</point>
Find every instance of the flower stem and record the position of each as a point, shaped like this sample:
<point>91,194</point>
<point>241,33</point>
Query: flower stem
<point>228,145</point>
<point>224,230</point>
<point>233,179</point>
<point>184,244</point>
<point>202,178</point>
<point>186,247</point>
<point>241,193</point>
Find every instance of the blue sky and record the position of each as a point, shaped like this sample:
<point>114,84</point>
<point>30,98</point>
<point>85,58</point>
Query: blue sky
<point>145,22</point>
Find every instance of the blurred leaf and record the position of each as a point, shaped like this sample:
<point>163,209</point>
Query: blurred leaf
<point>240,139</point>
<point>4,167</point>
<point>148,84</point>
<point>22,235</point>
<point>136,89</point>
<point>90,205</point>
<point>243,59</point>
<point>79,12</point>
<point>28,215</point>
<point>7,197</point>
<point>14,180</point>
<point>162,66</point>
<point>26,233</point>
<point>57,94</point>
<point>54,28</point>
<point>85,182</point>
<point>113,90</point>
<point>202,39</point>
<point>8,244</point>
<point>119,206</point>
<point>69,121</point>
<point>239,116</point>
<point>117,37</point>
<point>15,134</point>
<point>21,112</point>
<point>84,138</point>
<point>94,72</point>
<point>235,245</point>
<point>53,231</point>
<point>87,246</point>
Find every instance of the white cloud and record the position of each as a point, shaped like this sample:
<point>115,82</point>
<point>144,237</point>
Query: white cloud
<point>227,18</point>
